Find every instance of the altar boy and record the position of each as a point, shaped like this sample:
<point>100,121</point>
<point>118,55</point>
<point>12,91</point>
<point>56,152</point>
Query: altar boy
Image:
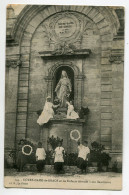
<point>83,151</point>
<point>59,158</point>
<point>40,157</point>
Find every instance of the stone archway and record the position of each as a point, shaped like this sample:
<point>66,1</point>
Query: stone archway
<point>26,25</point>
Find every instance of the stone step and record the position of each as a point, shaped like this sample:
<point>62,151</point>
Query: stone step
<point>67,169</point>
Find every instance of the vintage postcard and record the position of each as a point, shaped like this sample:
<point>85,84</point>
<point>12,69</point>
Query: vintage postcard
<point>64,97</point>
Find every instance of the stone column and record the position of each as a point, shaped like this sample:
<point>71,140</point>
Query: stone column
<point>117,98</point>
<point>11,89</point>
<point>48,80</point>
<point>106,100</point>
<point>22,100</point>
<point>79,84</point>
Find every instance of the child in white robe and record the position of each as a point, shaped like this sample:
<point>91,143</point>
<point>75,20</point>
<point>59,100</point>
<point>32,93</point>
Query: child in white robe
<point>71,114</point>
<point>59,158</point>
<point>47,112</point>
<point>83,151</point>
<point>40,157</point>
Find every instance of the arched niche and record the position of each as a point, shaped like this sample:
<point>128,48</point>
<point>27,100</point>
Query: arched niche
<point>73,73</point>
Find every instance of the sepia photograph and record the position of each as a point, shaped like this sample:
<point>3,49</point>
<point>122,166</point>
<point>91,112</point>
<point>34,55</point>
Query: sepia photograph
<point>64,83</point>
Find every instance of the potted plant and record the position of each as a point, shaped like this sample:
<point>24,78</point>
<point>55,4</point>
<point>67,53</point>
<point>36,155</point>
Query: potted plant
<point>104,159</point>
<point>99,158</point>
<point>95,153</point>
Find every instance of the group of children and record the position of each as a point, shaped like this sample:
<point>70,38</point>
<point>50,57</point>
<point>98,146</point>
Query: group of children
<point>59,152</point>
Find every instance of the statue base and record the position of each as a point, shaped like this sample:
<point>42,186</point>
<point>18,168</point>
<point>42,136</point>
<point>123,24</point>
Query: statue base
<point>62,129</point>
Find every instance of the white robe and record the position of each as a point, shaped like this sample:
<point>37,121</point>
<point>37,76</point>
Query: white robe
<point>59,154</point>
<point>83,151</point>
<point>71,114</point>
<point>46,114</point>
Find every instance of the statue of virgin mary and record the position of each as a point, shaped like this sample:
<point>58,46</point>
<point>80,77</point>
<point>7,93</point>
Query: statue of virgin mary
<point>63,89</point>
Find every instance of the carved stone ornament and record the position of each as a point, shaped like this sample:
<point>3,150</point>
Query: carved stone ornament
<point>65,26</point>
<point>116,56</point>
<point>116,59</point>
<point>63,49</point>
<point>13,63</point>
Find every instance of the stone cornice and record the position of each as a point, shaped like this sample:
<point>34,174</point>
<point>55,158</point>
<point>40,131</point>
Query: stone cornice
<point>10,41</point>
<point>117,56</point>
<point>13,61</point>
<point>75,53</point>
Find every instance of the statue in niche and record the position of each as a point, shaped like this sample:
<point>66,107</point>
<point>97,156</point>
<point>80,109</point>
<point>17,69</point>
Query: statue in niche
<point>63,89</point>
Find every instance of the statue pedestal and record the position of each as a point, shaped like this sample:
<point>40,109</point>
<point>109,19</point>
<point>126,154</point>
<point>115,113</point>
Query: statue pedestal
<point>62,129</point>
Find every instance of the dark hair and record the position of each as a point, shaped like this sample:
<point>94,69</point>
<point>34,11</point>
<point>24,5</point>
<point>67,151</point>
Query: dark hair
<point>86,142</point>
<point>60,143</point>
<point>39,145</point>
<point>21,140</point>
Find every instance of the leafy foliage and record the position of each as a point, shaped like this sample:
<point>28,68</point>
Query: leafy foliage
<point>83,112</point>
<point>54,141</point>
<point>97,154</point>
<point>70,159</point>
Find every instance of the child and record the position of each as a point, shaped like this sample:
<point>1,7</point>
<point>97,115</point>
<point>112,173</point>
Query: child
<point>40,157</point>
<point>59,158</point>
<point>47,112</point>
<point>71,114</point>
<point>83,151</point>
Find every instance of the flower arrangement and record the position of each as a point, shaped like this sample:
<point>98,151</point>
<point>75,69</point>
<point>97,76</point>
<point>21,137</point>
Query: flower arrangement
<point>98,155</point>
<point>71,159</point>
<point>54,141</point>
<point>83,112</point>
<point>27,150</point>
<point>75,135</point>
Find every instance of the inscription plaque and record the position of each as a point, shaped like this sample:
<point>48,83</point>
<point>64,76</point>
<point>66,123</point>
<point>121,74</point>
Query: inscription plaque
<point>65,27</point>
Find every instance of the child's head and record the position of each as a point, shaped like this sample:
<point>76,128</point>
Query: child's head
<point>39,145</point>
<point>71,102</point>
<point>48,99</point>
<point>59,143</point>
<point>21,142</point>
<point>85,143</point>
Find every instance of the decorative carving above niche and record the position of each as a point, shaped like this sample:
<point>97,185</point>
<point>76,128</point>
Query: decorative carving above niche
<point>65,27</point>
<point>78,53</point>
<point>64,48</point>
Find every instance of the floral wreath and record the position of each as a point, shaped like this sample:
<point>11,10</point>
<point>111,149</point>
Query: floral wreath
<point>71,135</point>
<point>27,154</point>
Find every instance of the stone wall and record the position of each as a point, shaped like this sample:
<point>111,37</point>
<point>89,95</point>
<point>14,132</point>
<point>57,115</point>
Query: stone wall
<point>102,76</point>
<point>89,66</point>
<point>10,107</point>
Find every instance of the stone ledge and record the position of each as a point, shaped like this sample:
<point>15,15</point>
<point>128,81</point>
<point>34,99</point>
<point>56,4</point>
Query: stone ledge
<point>67,169</point>
<point>76,53</point>
<point>54,120</point>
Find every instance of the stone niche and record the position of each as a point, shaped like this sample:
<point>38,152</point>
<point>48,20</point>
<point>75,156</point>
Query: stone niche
<point>62,129</point>
<point>74,73</point>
